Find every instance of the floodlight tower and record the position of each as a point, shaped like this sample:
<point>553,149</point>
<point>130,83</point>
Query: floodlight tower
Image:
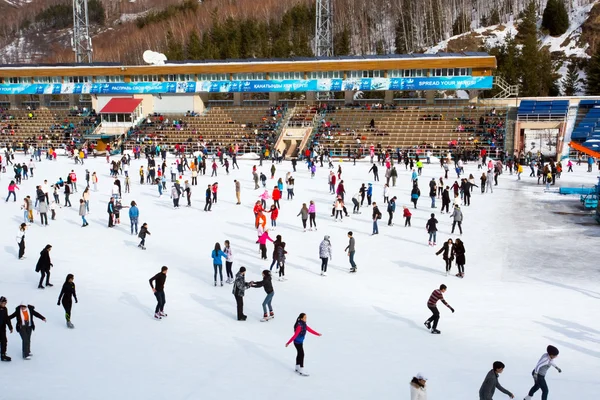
<point>324,29</point>
<point>81,41</point>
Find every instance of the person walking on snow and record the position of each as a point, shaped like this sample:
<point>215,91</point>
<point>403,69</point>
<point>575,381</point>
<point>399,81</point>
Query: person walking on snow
<point>239,288</point>
<point>417,387</point>
<point>457,218</point>
<point>266,284</point>
<point>142,235</point>
<point>448,250</point>
<point>540,371</point>
<point>4,322</point>
<point>325,254</point>
<point>67,294</point>
<point>300,329</point>
<point>491,383</point>
<point>216,255</point>
<point>25,325</point>
<point>158,288</point>
<point>21,240</point>
<point>43,266</point>
<point>228,261</point>
<point>436,295</point>
<point>431,227</point>
<point>351,249</point>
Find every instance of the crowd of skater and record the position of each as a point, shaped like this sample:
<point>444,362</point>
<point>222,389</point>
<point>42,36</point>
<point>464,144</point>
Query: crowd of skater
<point>180,181</point>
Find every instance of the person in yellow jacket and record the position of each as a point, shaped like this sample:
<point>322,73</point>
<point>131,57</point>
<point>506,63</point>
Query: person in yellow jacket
<point>519,172</point>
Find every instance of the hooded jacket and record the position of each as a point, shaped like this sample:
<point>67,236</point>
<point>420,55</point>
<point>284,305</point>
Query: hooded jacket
<point>240,285</point>
<point>325,248</point>
<point>44,262</point>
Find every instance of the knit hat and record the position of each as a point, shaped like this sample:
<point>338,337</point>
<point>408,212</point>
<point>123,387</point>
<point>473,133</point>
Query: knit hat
<point>553,351</point>
<point>421,376</point>
<point>326,237</point>
<point>243,269</point>
<point>3,299</point>
<point>23,304</point>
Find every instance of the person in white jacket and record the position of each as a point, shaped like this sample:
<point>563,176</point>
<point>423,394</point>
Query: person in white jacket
<point>386,193</point>
<point>324,254</point>
<point>418,390</point>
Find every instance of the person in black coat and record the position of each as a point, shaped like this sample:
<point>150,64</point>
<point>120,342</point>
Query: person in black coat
<point>431,227</point>
<point>25,325</point>
<point>4,322</point>
<point>448,250</point>
<point>43,266</point>
<point>446,200</point>
<point>266,284</point>
<point>67,294</point>
<point>459,251</point>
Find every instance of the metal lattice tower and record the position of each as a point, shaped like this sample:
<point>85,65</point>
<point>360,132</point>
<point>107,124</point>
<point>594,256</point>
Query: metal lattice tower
<point>81,41</point>
<point>324,29</point>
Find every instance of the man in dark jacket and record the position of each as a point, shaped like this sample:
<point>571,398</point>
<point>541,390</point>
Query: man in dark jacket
<point>490,383</point>
<point>239,287</point>
<point>376,216</point>
<point>43,266</point>
<point>391,209</point>
<point>159,292</point>
<point>4,322</point>
<point>25,325</point>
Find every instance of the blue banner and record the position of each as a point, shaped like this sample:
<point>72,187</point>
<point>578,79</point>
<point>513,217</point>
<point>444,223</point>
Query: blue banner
<point>290,85</point>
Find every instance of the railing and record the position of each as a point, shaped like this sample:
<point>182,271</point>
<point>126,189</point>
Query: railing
<point>541,117</point>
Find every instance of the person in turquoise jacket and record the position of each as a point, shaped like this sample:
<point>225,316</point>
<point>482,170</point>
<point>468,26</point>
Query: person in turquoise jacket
<point>216,255</point>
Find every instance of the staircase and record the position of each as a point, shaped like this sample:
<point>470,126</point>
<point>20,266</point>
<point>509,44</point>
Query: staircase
<point>506,90</point>
<point>571,118</point>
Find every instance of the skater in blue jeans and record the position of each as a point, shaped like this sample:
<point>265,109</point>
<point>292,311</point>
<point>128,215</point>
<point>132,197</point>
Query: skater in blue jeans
<point>216,255</point>
<point>432,229</point>
<point>267,284</point>
<point>134,214</point>
<point>539,373</point>
<point>351,250</point>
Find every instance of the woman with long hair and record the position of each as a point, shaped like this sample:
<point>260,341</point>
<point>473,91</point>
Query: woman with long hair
<point>43,266</point>
<point>300,329</point>
<point>216,255</point>
<point>21,240</point>
<point>459,251</point>
<point>66,295</point>
<point>228,261</point>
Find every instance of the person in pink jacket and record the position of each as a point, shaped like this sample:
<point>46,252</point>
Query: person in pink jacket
<point>312,213</point>
<point>262,241</point>
<point>11,190</point>
<point>264,197</point>
<point>300,329</point>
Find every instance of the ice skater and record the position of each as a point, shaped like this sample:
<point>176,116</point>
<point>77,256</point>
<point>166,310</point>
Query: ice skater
<point>459,252</point>
<point>239,288</point>
<point>25,325</point>
<point>216,255</point>
<point>325,254</point>
<point>490,383</point>
<point>540,371</point>
<point>436,295</point>
<point>4,322</point>
<point>142,235</point>
<point>418,391</point>
<point>158,288</point>
<point>21,240</point>
<point>228,261</point>
<point>43,266</point>
<point>266,284</point>
<point>448,249</point>
<point>300,329</point>
<point>67,294</point>
<point>351,249</point>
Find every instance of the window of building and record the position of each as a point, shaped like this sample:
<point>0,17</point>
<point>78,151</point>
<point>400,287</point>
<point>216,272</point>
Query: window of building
<point>21,79</point>
<point>249,76</point>
<point>326,75</point>
<point>79,79</point>
<point>177,77</point>
<point>145,78</point>
<point>213,77</point>
<point>286,75</point>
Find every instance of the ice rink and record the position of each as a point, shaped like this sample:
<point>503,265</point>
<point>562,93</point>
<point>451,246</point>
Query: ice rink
<point>531,279</point>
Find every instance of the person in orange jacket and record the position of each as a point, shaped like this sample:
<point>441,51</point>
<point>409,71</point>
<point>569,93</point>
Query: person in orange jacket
<point>276,196</point>
<point>260,218</point>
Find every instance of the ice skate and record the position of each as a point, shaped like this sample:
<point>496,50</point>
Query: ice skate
<point>427,324</point>
<point>157,316</point>
<point>215,283</point>
<point>435,332</point>
<point>221,283</point>
<point>301,371</point>
<point>4,357</point>
<point>162,314</point>
<point>70,325</point>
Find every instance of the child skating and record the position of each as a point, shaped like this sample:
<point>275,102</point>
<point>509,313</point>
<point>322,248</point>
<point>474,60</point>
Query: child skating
<point>300,329</point>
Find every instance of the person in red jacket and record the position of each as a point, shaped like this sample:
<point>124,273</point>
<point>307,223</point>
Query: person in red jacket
<point>276,196</point>
<point>407,216</point>
<point>274,214</point>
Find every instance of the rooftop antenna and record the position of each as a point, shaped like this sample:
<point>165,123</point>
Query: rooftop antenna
<point>81,41</point>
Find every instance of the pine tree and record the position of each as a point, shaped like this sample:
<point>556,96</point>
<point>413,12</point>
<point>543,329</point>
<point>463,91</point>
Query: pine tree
<point>194,46</point>
<point>342,43</point>
<point>528,25</point>
<point>570,82</point>
<point>174,48</point>
<point>592,71</point>
<point>555,19</point>
<point>494,17</point>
